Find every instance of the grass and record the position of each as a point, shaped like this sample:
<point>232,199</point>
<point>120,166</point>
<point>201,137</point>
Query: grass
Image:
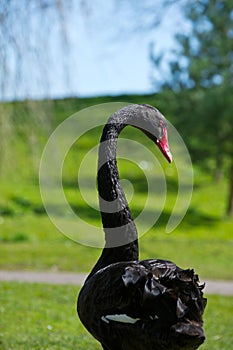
<point>208,257</point>
<point>30,241</point>
<point>41,317</point>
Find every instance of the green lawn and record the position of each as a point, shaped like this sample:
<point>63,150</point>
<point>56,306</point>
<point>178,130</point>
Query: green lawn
<point>39,317</point>
<point>28,239</point>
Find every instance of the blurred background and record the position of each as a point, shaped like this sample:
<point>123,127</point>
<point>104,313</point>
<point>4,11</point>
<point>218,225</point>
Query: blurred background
<point>58,57</point>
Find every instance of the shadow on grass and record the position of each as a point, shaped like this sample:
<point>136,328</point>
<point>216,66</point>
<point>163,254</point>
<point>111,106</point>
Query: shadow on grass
<point>139,183</point>
<point>6,210</point>
<point>17,237</point>
<point>193,217</point>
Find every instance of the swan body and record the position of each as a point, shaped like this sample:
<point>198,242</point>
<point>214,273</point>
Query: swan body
<point>127,304</point>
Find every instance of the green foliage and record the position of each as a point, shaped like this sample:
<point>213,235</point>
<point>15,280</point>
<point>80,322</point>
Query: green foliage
<point>202,81</point>
<point>205,52</point>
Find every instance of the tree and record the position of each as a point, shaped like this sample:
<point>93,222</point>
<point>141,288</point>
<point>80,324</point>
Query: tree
<point>33,38</point>
<point>202,80</point>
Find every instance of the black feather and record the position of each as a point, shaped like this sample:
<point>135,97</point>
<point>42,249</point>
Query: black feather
<point>128,304</point>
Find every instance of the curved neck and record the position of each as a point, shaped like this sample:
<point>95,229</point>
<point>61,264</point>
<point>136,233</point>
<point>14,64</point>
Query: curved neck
<point>116,216</point>
<point>113,204</point>
<point>121,238</point>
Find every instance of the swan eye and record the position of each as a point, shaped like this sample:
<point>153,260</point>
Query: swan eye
<point>161,132</point>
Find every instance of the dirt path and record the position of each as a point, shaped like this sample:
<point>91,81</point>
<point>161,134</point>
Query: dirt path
<point>43,277</point>
<point>212,287</point>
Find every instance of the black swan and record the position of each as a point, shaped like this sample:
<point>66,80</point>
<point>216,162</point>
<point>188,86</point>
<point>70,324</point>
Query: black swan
<point>127,304</point>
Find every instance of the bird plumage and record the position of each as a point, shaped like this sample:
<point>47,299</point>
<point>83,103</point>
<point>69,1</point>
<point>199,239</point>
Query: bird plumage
<point>150,304</point>
<point>128,304</point>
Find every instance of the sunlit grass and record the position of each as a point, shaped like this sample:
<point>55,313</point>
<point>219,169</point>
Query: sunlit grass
<point>204,239</point>
<point>39,316</point>
<point>30,241</point>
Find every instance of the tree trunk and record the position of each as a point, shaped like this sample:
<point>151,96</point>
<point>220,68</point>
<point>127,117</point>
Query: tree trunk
<point>218,167</point>
<point>230,198</point>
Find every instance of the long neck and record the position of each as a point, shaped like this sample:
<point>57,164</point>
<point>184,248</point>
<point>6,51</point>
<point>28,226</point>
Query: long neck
<point>116,216</point>
<point>121,239</point>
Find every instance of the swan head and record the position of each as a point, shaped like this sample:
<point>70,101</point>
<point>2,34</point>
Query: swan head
<point>144,117</point>
<point>156,130</point>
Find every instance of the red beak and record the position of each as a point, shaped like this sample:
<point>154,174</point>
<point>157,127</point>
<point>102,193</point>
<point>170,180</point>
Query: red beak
<point>163,146</point>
